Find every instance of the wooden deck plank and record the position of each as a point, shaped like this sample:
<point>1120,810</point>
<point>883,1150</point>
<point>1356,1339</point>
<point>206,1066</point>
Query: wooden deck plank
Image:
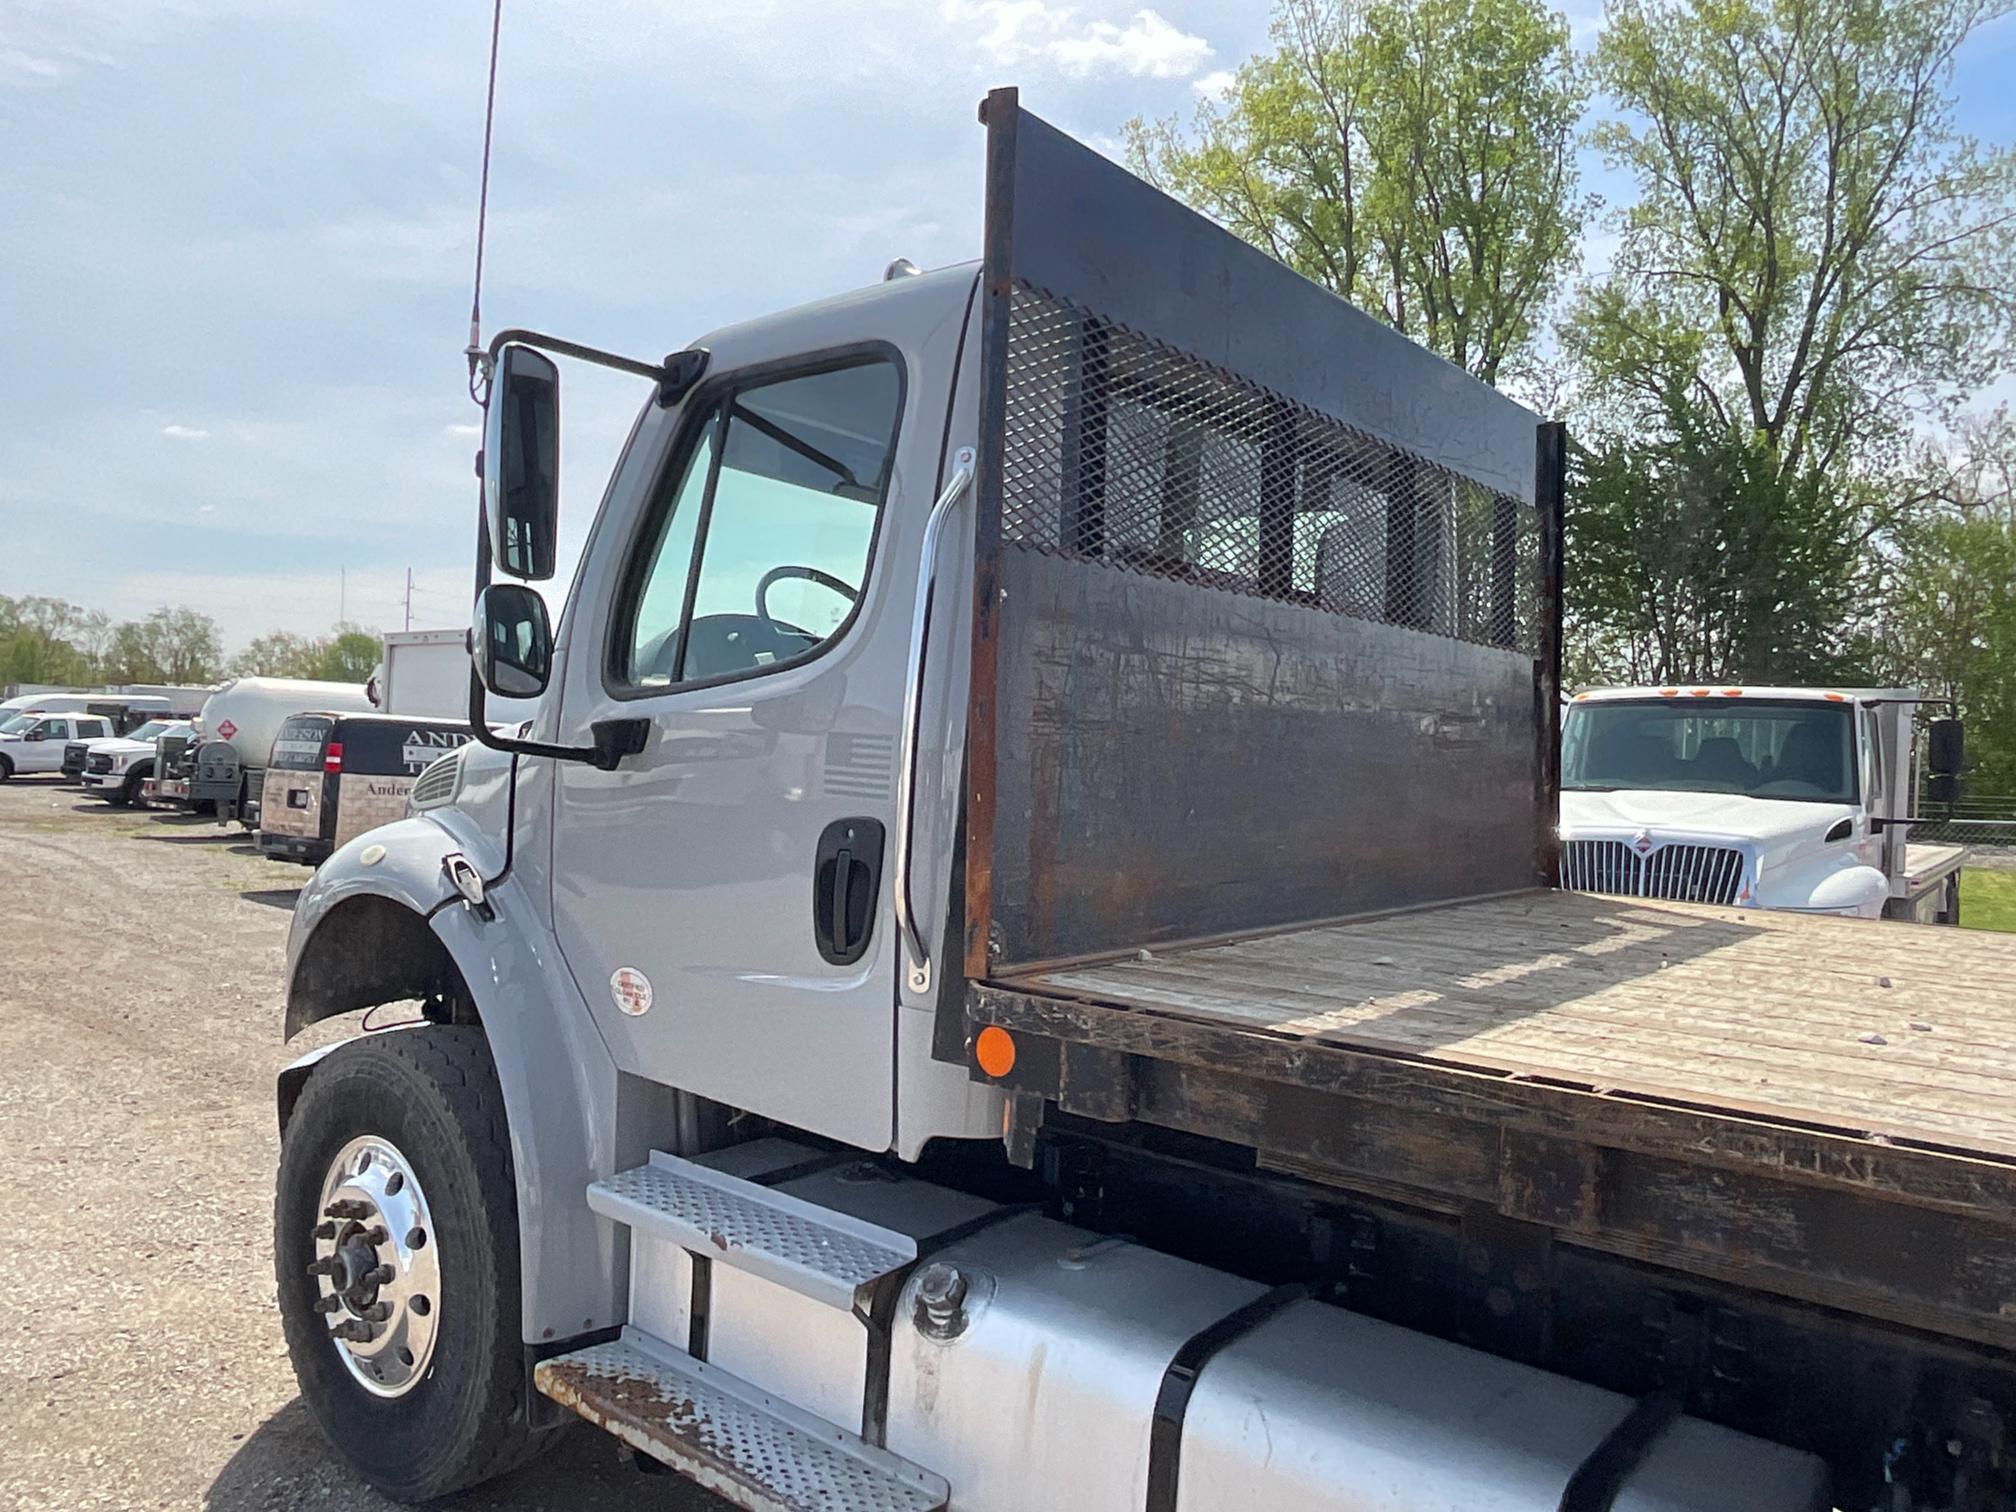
<point>1710,1006</point>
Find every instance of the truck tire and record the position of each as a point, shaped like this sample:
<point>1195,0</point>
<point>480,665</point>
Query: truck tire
<point>396,1255</point>
<point>6,769</point>
<point>129,790</point>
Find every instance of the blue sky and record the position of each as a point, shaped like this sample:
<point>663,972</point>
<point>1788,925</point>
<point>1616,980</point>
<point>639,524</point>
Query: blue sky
<point>235,244</point>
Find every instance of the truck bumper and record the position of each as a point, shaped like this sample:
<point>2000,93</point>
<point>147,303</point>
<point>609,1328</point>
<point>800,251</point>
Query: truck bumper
<point>308,850</point>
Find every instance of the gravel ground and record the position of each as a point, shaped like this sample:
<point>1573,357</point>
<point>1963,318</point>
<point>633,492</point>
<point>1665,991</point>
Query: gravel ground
<point>140,1354</point>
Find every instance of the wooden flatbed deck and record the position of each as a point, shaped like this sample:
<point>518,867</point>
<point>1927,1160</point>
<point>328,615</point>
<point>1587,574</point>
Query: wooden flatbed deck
<point>1825,1107</point>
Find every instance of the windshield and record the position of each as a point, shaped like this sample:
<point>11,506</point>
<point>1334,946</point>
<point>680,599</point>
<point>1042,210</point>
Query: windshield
<point>14,724</point>
<point>152,728</point>
<point>1795,749</point>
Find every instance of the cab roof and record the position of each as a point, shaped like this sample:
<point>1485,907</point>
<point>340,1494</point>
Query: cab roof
<point>1746,690</point>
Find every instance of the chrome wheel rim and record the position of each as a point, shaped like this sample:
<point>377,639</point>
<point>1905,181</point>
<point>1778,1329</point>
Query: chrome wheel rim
<point>377,1270</point>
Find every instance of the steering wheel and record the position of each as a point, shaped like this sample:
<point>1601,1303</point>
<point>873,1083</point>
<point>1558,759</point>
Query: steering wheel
<point>810,575</point>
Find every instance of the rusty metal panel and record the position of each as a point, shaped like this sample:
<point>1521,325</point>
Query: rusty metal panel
<point>1175,763</point>
<point>1266,596</point>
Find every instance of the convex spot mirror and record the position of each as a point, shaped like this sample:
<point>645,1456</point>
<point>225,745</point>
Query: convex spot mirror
<point>521,464</point>
<point>1945,747</point>
<point>512,641</point>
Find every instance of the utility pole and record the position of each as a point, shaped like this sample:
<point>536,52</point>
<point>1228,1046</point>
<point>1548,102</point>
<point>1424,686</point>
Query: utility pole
<point>409,598</point>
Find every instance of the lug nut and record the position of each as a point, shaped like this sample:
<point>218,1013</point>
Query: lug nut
<point>349,1207</point>
<point>374,1236</point>
<point>379,1275</point>
<point>325,1231</point>
<point>328,1265</point>
<point>327,1304</point>
<point>352,1332</point>
<point>377,1312</point>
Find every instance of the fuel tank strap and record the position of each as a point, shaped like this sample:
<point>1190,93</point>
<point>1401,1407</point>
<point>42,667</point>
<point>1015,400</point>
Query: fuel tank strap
<point>1165,1434</point>
<point>1598,1479</point>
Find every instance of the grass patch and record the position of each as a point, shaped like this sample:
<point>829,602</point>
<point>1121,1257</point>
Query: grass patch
<point>1988,899</point>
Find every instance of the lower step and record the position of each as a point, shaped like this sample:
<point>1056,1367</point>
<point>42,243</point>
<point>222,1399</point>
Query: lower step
<point>733,1438</point>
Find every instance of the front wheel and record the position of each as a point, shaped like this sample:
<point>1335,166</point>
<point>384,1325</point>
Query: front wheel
<point>6,769</point>
<point>396,1253</point>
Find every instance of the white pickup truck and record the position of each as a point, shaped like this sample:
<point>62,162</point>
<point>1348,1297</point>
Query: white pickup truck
<point>1787,798</point>
<point>33,740</point>
<point>116,769</point>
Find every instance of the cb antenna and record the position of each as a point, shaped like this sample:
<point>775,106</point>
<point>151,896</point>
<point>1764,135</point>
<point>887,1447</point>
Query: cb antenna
<point>479,366</point>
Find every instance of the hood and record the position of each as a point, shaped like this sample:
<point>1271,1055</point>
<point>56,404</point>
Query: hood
<point>119,746</point>
<point>1767,823</point>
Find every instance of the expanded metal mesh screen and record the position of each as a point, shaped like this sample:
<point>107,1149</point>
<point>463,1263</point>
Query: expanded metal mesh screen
<point>1124,451</point>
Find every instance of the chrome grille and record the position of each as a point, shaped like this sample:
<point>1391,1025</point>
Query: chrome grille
<point>1678,873</point>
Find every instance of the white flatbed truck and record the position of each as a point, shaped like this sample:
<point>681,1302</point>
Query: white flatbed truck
<point>1016,964</point>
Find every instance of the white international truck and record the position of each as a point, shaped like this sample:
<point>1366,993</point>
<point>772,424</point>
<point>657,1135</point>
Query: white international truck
<point>1761,797</point>
<point>1016,964</point>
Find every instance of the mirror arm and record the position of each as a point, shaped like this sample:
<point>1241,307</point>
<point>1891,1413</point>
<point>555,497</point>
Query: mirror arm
<point>605,753</point>
<point>674,376</point>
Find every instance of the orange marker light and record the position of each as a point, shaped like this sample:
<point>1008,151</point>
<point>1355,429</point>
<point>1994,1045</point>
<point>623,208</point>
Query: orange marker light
<point>994,1049</point>
<point>1837,698</point>
<point>1669,692</point>
<point>1697,692</point>
<point>1732,692</point>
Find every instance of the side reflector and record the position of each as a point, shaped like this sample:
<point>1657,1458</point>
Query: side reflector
<point>994,1050</point>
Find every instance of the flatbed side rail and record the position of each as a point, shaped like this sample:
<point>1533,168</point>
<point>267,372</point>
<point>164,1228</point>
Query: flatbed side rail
<point>1916,1236</point>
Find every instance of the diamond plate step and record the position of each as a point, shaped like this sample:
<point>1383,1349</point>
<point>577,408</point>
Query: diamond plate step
<point>737,1441</point>
<point>805,1248</point>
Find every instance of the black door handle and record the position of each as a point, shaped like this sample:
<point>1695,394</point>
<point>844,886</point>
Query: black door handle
<point>846,878</point>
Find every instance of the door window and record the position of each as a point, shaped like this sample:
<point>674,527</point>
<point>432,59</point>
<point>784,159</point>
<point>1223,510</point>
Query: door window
<point>761,541</point>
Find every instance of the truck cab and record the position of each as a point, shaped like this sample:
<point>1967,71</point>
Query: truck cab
<point>1013,966</point>
<point>34,739</point>
<point>1762,797</point>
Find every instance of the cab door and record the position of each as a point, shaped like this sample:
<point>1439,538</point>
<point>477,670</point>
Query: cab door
<point>724,898</point>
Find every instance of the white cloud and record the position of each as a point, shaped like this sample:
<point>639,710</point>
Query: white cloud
<point>1021,31</point>
<point>184,433</point>
<point>462,430</point>
<point>1147,47</point>
<point>1213,85</point>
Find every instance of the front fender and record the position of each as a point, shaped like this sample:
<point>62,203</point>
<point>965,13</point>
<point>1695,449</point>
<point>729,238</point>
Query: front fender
<point>377,930</point>
<point>1851,889</point>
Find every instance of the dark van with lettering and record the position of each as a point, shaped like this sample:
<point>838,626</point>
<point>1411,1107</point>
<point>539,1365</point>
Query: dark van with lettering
<point>330,777</point>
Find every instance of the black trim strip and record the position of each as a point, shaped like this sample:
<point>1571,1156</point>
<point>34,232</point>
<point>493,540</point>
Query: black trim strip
<point>1598,1480</point>
<point>1165,1434</point>
<point>811,1165</point>
<point>700,1306</point>
<point>879,1317</point>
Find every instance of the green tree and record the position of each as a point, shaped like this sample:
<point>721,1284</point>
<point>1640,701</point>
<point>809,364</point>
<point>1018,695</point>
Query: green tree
<point>279,654</point>
<point>171,645</point>
<point>1415,156</point>
<point>1950,626</point>
<point>47,640</point>
<point>350,656</point>
<point>1816,256</point>
<point>1692,558</point>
